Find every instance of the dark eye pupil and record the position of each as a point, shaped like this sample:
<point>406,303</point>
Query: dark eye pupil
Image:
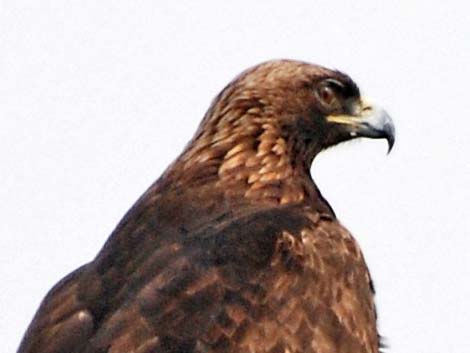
<point>327,95</point>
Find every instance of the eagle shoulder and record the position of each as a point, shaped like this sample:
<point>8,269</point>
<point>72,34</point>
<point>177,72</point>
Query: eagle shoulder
<point>62,323</point>
<point>283,279</point>
<point>190,288</point>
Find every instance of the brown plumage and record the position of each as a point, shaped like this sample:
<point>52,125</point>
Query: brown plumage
<point>233,249</point>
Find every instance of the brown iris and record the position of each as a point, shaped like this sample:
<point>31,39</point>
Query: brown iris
<point>327,97</point>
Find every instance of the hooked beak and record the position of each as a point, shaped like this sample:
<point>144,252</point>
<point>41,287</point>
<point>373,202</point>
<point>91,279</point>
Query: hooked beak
<point>367,120</point>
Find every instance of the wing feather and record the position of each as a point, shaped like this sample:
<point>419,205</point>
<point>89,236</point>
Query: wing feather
<point>198,290</point>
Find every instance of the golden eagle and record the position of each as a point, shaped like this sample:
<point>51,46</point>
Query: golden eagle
<point>233,248</point>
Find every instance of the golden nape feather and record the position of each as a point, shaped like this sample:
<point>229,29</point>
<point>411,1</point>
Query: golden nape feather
<point>233,249</point>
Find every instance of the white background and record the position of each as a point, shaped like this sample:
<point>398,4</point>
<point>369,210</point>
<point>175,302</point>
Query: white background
<point>97,97</point>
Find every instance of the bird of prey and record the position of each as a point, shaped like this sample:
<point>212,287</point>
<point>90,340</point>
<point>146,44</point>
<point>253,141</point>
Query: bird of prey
<point>233,248</point>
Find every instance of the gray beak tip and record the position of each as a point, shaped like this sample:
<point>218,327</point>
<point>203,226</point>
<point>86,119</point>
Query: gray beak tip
<point>380,125</point>
<point>389,131</point>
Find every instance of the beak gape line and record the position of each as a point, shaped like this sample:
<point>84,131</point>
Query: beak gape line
<point>370,121</point>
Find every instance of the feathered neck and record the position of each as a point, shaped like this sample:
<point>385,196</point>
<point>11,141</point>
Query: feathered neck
<point>251,159</point>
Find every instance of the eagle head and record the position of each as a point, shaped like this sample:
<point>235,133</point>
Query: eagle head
<point>304,101</point>
<point>267,125</point>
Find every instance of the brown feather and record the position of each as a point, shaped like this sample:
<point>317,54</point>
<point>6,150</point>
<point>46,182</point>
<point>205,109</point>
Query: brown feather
<point>233,249</point>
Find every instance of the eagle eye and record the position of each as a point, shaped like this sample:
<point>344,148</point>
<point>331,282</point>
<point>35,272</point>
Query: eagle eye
<point>327,96</point>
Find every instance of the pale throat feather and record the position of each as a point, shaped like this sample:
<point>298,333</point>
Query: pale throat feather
<point>242,149</point>
<point>250,160</point>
